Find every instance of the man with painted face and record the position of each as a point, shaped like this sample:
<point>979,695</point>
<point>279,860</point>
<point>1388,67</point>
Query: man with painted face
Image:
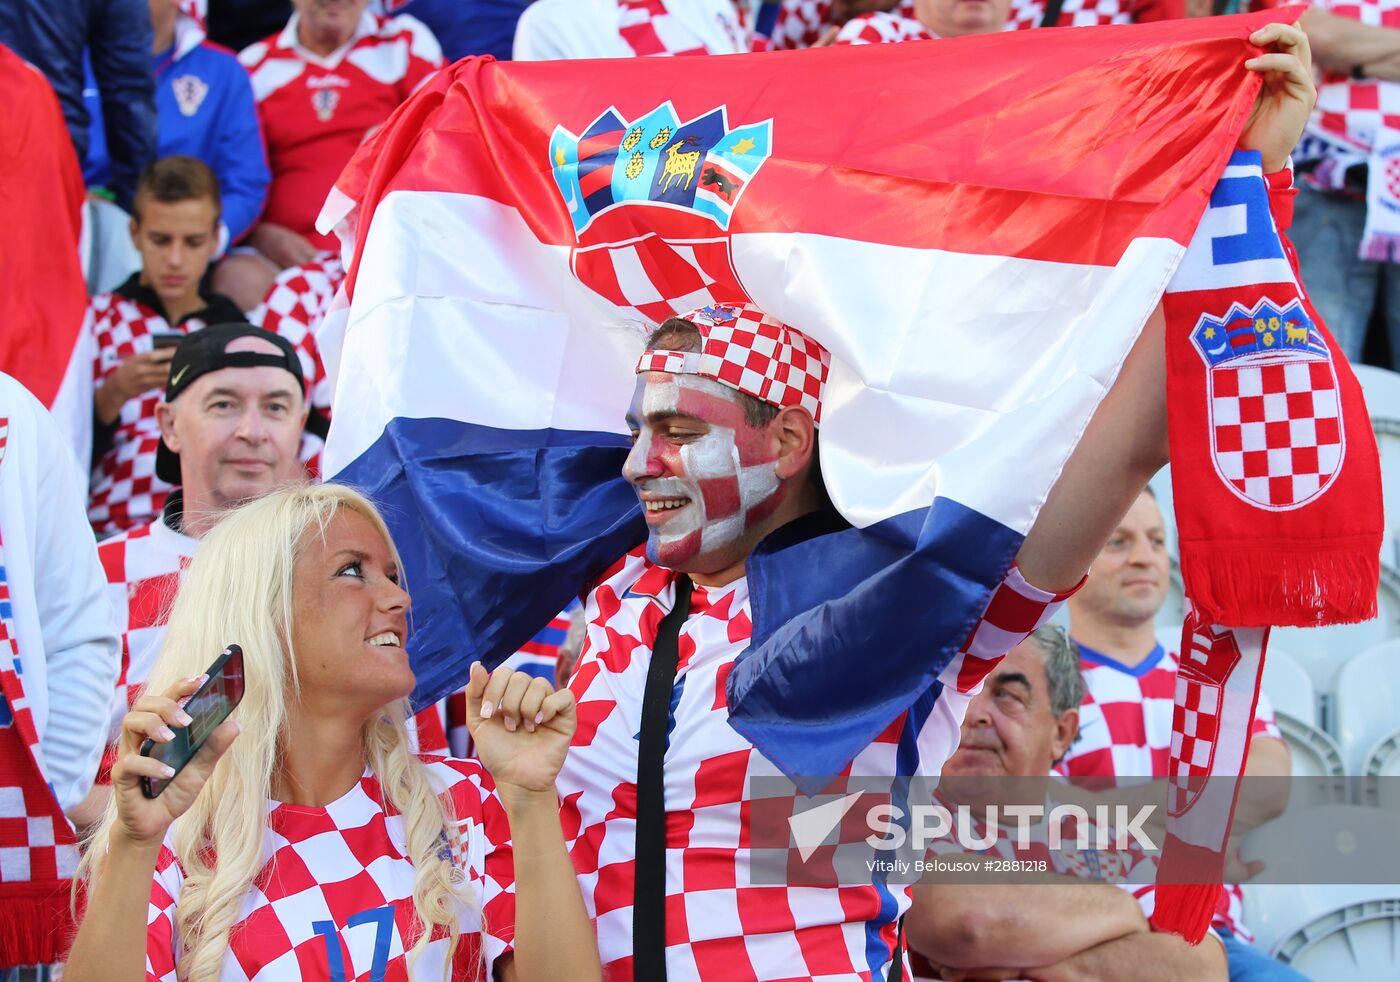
<point>725,418</point>
<point>656,787</point>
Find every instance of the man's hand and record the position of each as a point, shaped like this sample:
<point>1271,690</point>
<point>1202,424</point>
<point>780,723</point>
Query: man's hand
<point>280,244</point>
<point>1285,99</point>
<point>137,375</point>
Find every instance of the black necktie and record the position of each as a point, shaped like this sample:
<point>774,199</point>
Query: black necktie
<point>649,881</point>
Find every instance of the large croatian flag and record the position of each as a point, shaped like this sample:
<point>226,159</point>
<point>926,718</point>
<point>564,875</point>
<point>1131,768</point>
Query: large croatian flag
<point>976,229</point>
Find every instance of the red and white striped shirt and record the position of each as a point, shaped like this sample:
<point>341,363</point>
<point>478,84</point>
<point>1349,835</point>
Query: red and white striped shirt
<point>718,924</point>
<point>316,111</point>
<point>1125,730</point>
<point>334,899</point>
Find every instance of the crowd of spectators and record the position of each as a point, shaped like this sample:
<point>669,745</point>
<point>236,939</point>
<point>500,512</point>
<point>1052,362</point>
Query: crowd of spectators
<point>209,135</point>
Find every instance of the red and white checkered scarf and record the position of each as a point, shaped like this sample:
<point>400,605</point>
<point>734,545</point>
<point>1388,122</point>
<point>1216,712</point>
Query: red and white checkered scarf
<point>38,850</point>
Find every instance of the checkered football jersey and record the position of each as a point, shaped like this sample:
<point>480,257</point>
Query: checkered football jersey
<point>1125,730</point>
<point>316,111</point>
<point>719,925</point>
<point>144,568</point>
<point>335,897</point>
<point>125,491</point>
<point>294,307</point>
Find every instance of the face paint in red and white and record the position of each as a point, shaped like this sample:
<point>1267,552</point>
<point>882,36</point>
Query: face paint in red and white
<point>704,475</point>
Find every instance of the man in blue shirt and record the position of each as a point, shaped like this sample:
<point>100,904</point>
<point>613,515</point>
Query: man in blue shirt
<point>206,110</point>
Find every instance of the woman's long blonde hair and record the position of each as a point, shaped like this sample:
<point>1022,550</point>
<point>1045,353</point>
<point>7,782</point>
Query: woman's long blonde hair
<point>239,589</point>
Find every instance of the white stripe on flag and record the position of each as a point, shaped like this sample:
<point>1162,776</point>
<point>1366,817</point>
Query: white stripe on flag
<point>918,374</point>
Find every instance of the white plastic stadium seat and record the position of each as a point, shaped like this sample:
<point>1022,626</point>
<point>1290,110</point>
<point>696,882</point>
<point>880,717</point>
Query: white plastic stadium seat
<point>1366,694</point>
<point>1382,391</point>
<point>1288,686</point>
<point>1329,932</point>
<point>1324,650</point>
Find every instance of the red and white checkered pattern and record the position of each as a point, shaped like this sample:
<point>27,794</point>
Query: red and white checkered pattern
<point>1026,14</point>
<point>1356,110</point>
<point>882,28</point>
<point>331,870</point>
<point>294,308</point>
<point>719,925</point>
<point>655,278</point>
<point>1125,730</point>
<point>746,349</point>
<point>650,29</point>
<point>801,23</point>
<point>1276,430</point>
<point>125,491</point>
<point>37,845</point>
<point>144,569</point>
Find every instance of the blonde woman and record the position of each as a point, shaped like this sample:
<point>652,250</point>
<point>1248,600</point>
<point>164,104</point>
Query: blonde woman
<point>306,839</point>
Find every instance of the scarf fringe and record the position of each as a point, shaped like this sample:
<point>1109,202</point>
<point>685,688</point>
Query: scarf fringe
<point>36,927</point>
<point>1185,909</point>
<point>1381,247</point>
<point>1282,588</point>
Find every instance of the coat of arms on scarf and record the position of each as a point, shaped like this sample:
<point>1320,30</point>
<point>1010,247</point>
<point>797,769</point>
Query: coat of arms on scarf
<point>1276,428</point>
<point>688,176</point>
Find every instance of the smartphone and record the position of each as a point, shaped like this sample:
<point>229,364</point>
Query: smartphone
<point>208,707</point>
<point>171,340</point>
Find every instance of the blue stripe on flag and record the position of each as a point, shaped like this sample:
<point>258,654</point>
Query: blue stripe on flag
<point>847,623</point>
<point>498,530</point>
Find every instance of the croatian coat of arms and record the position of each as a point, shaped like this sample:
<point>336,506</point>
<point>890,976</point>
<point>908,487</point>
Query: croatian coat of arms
<point>1275,412</point>
<point>651,200</point>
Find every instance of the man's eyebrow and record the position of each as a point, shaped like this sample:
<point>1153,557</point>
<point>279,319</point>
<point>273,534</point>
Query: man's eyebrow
<point>1014,678</point>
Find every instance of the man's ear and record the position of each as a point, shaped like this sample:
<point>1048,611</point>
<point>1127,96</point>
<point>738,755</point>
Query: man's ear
<point>796,436</point>
<point>165,418</point>
<point>133,227</point>
<point>1066,729</point>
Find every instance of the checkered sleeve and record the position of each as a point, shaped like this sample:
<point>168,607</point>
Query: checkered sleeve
<point>160,917</point>
<point>1015,609</point>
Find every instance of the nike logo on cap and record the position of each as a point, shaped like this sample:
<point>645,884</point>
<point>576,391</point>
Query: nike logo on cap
<point>175,379</point>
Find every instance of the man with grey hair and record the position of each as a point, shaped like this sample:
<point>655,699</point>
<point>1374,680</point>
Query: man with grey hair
<point>1057,925</point>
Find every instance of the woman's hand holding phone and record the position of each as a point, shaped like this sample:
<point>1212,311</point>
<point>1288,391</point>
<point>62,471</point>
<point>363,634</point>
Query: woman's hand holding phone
<point>143,821</point>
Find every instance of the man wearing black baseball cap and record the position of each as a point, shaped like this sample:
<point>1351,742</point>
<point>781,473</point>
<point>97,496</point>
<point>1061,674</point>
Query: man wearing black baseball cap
<point>230,427</point>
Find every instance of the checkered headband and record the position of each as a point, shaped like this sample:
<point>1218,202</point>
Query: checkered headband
<point>746,349</point>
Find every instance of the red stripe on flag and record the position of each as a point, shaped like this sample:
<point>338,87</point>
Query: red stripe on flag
<point>1052,133</point>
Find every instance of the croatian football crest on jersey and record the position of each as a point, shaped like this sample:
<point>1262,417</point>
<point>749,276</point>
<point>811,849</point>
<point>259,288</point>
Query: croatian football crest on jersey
<point>1275,411</point>
<point>324,102</point>
<point>651,201</point>
<point>190,91</point>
